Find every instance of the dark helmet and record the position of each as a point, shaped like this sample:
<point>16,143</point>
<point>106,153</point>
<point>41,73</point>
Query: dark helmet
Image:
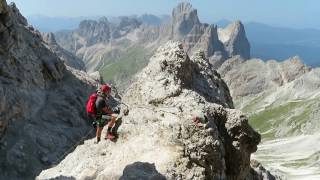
<point>106,88</point>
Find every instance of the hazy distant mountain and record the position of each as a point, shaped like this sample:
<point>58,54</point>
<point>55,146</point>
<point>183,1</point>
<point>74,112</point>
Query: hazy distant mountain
<point>153,20</point>
<point>269,42</point>
<point>52,24</point>
<point>280,43</point>
<point>120,47</point>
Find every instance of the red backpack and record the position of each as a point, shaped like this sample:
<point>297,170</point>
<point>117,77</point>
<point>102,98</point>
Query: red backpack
<point>91,104</point>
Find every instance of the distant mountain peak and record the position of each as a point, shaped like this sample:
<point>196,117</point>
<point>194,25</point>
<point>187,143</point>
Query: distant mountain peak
<point>183,7</point>
<point>184,17</point>
<point>104,19</point>
<point>235,39</point>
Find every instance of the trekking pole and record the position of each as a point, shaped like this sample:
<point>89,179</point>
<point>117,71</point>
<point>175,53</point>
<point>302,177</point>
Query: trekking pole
<point>125,104</point>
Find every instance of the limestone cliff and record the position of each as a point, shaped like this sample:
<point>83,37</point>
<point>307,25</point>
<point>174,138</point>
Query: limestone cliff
<point>103,44</point>
<point>41,100</point>
<point>68,58</point>
<point>160,138</point>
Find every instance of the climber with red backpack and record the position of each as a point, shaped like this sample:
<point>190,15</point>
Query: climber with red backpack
<point>98,109</point>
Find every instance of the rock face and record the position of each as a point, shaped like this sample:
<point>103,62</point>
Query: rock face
<point>41,101</point>
<point>179,120</point>
<point>255,76</point>
<point>282,101</point>
<point>195,35</point>
<point>258,172</point>
<point>98,42</point>
<point>102,43</point>
<point>235,40</point>
<point>68,58</point>
<point>184,18</point>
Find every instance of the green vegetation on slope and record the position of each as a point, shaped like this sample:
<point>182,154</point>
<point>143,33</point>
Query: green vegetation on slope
<point>284,120</point>
<point>303,162</point>
<point>249,108</point>
<point>121,70</point>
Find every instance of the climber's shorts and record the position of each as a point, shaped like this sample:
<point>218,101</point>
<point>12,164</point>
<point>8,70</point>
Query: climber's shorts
<point>101,122</point>
<point>104,119</point>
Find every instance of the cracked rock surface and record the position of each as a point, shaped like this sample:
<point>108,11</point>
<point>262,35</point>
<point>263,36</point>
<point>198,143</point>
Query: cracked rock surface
<point>181,125</point>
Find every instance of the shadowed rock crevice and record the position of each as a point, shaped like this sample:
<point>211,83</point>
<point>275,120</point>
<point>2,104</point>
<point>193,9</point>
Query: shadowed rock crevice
<point>41,100</point>
<point>140,170</point>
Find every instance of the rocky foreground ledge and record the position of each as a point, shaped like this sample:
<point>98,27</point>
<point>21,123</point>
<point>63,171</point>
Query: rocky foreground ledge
<point>159,138</point>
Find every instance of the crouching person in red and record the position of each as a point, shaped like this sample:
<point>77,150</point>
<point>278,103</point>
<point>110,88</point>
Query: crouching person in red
<point>104,114</point>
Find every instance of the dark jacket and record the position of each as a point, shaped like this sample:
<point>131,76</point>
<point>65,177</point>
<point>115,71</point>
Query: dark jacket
<point>101,103</point>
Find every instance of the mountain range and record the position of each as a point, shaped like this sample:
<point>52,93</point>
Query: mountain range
<point>167,94</point>
<point>282,102</point>
<point>183,81</point>
<point>278,43</point>
<point>44,91</point>
<point>119,50</point>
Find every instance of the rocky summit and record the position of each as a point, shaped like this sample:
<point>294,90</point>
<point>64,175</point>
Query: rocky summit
<point>177,118</point>
<point>41,100</point>
<point>181,125</point>
<point>106,46</point>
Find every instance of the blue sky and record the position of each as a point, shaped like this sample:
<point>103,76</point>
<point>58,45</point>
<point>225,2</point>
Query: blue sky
<point>289,13</point>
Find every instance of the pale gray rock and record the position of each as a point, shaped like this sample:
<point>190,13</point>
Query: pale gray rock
<point>255,76</point>
<point>102,43</point>
<point>235,40</point>
<point>184,18</point>
<point>68,58</point>
<point>195,73</point>
<point>160,129</point>
<point>96,76</point>
<point>41,100</point>
<point>258,172</point>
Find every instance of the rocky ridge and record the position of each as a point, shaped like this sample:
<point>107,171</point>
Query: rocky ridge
<point>282,102</point>
<point>167,95</point>
<point>250,77</point>
<point>101,43</point>
<point>41,102</point>
<point>68,58</point>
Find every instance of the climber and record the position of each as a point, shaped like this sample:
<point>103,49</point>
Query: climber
<point>98,108</point>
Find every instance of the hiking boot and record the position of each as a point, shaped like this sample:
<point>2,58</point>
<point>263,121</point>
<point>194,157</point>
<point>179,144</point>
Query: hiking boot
<point>97,141</point>
<point>115,134</point>
<point>110,136</point>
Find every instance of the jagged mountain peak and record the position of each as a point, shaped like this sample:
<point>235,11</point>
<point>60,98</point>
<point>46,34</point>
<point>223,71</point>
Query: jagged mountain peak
<point>235,40</point>
<point>184,18</point>
<point>104,19</point>
<point>225,34</point>
<point>159,128</point>
<point>183,8</point>
<point>101,44</point>
<point>176,70</point>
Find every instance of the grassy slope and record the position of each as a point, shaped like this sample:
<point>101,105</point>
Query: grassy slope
<point>121,70</point>
<point>284,120</point>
